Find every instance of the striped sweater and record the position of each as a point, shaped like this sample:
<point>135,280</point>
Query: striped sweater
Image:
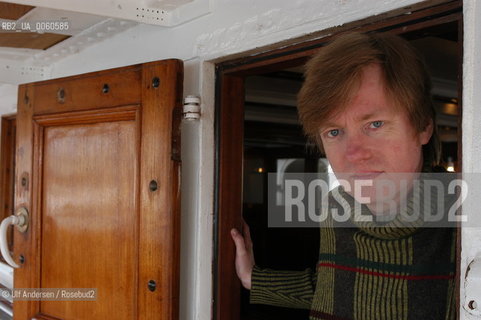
<point>368,273</point>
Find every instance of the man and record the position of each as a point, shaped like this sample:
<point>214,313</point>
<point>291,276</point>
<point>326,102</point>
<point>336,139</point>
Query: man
<point>366,102</point>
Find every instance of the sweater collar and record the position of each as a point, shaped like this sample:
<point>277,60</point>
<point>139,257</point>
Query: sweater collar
<point>398,226</point>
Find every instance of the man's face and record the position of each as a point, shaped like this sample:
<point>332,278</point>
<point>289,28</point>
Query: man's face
<point>371,138</point>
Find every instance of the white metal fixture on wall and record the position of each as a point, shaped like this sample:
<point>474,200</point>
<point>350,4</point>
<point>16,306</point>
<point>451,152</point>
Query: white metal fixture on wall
<point>191,108</point>
<point>472,300</point>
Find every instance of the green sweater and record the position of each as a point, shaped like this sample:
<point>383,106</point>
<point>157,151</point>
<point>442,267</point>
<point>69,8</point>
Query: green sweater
<point>368,272</point>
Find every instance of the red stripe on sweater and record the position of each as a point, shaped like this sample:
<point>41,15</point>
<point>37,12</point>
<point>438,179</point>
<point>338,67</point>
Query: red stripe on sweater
<point>323,315</point>
<point>386,275</point>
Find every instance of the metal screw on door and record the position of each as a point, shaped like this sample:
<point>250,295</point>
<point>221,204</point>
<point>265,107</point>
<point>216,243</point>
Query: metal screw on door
<point>152,285</point>
<point>153,186</point>
<point>61,95</point>
<point>156,82</point>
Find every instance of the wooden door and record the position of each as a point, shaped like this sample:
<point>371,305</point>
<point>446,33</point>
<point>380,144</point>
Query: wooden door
<point>97,168</point>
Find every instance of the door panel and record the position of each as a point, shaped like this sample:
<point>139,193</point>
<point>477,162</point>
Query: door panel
<point>104,173</point>
<point>86,170</point>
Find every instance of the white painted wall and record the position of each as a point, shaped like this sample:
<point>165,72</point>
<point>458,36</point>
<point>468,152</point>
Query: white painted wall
<point>233,27</point>
<point>8,98</point>
<point>471,237</point>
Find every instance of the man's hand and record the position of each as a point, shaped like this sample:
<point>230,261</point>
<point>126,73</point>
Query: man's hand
<point>244,258</point>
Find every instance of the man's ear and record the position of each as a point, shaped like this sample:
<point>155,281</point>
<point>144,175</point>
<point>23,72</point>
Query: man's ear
<point>426,134</point>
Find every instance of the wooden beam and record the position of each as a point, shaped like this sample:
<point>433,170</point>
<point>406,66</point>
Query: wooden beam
<point>30,40</point>
<point>12,11</point>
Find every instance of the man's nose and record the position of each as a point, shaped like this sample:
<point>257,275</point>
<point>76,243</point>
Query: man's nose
<point>357,148</point>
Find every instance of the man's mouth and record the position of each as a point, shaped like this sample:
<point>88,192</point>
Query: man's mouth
<point>367,175</point>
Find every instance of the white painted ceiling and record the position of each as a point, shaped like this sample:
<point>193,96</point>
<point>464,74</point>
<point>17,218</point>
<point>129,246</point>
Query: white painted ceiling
<point>89,22</point>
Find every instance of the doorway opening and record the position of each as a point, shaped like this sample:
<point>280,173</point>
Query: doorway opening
<point>258,132</point>
<point>274,143</point>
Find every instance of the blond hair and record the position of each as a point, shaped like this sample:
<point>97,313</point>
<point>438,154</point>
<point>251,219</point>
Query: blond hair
<point>333,75</point>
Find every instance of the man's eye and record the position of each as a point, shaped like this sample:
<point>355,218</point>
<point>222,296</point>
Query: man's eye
<point>333,133</point>
<point>376,124</point>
